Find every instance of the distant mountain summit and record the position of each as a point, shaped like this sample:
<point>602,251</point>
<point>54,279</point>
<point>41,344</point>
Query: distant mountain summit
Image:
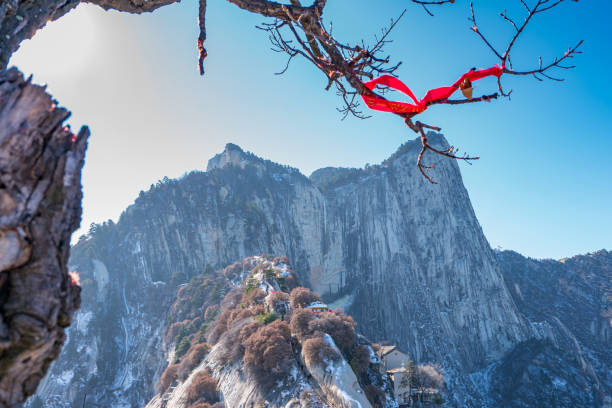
<point>233,155</point>
<point>407,259</point>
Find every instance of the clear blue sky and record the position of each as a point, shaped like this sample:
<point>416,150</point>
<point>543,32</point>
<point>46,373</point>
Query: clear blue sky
<point>543,185</point>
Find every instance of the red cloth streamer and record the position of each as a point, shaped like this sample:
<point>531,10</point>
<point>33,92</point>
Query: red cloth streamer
<point>380,104</point>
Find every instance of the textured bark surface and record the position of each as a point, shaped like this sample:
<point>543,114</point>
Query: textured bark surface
<point>19,20</point>
<point>132,6</point>
<point>40,207</point>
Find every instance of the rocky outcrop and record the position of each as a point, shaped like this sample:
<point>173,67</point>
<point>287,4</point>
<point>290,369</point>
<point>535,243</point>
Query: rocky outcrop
<point>305,375</point>
<point>338,381</point>
<point>569,304</point>
<point>407,259</point>
<point>40,196</point>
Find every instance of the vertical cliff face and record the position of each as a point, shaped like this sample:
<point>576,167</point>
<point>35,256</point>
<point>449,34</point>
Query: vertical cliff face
<point>407,259</point>
<point>416,263</point>
<point>576,290</point>
<point>569,303</point>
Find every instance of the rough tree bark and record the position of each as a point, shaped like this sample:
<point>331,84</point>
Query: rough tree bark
<point>40,207</point>
<point>20,19</point>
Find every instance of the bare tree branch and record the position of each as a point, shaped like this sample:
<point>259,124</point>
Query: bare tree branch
<point>298,30</point>
<point>202,37</point>
<point>346,66</point>
<point>424,4</point>
<point>506,63</point>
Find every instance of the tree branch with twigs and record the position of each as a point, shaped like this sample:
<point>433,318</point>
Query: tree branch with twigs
<point>299,31</point>
<point>506,62</point>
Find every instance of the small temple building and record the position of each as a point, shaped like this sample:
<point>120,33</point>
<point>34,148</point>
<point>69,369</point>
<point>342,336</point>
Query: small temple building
<point>393,357</point>
<point>318,307</point>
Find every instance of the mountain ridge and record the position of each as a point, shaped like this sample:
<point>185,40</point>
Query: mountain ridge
<point>408,260</point>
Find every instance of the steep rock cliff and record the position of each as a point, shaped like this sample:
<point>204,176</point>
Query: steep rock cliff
<point>569,303</point>
<point>407,259</point>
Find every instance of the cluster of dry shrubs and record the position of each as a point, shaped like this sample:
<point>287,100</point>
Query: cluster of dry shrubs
<point>310,331</point>
<point>263,344</point>
<point>264,348</point>
<point>429,376</point>
<point>237,306</point>
<point>279,301</point>
<point>190,315</point>
<point>268,355</point>
<point>180,371</point>
<point>202,392</point>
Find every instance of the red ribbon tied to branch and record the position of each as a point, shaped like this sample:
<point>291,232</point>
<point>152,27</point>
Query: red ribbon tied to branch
<point>438,94</point>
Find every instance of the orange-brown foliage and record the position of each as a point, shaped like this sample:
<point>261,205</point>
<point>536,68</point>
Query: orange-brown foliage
<point>374,394</point>
<point>291,281</point>
<point>360,360</point>
<point>233,344</point>
<point>247,331</point>
<point>233,270</point>
<point>302,297</point>
<point>317,351</point>
<point>203,388</point>
<point>340,327</point>
<point>168,377</point>
<point>255,297</point>
<point>200,405</point>
<point>300,323</point>
<point>240,314</point>
<point>268,352</point>
<point>220,327</point>
<point>207,405</point>
<point>183,292</point>
<point>278,297</point>
<point>193,357</point>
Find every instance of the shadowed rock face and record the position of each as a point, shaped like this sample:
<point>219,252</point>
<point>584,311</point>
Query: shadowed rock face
<point>40,207</point>
<point>407,259</point>
<point>570,303</point>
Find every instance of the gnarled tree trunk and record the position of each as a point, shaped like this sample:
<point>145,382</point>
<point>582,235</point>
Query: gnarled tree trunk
<point>19,20</point>
<point>40,207</point>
